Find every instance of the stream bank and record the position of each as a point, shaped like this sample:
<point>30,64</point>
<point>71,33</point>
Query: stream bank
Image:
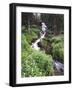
<point>57,65</point>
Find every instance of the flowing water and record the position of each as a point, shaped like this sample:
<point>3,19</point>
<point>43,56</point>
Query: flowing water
<point>35,44</point>
<point>59,67</point>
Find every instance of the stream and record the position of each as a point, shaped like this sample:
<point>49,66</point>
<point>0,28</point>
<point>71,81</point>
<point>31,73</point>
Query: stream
<point>35,44</point>
<point>58,66</point>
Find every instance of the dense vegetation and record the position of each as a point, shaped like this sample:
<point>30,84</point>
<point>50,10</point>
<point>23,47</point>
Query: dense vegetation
<point>58,48</point>
<point>35,63</point>
<point>40,62</point>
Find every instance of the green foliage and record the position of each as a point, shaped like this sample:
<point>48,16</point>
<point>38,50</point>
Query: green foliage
<point>35,30</point>
<point>37,64</point>
<point>33,26</point>
<point>44,43</point>
<point>30,36</point>
<point>25,45</point>
<point>56,39</point>
<point>26,50</point>
<point>58,48</point>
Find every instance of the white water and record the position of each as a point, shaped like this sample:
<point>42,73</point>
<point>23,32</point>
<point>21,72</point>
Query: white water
<point>35,44</point>
<point>59,66</point>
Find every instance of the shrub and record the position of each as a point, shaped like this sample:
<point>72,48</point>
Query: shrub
<point>35,30</point>
<point>58,49</point>
<point>57,39</point>
<point>26,50</point>
<point>24,43</point>
<point>38,64</point>
<point>30,36</point>
<point>44,43</point>
<point>34,26</point>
